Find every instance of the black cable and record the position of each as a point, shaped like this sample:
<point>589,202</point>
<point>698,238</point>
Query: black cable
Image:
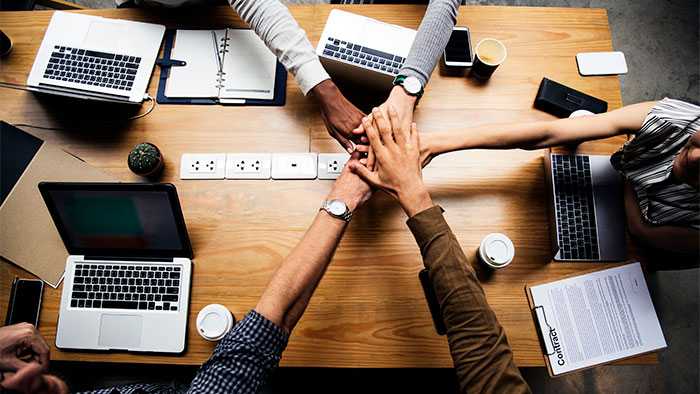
<point>17,86</point>
<point>38,127</point>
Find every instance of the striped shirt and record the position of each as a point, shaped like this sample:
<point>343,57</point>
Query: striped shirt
<point>646,162</point>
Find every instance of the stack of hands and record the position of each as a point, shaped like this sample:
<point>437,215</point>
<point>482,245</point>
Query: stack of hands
<point>24,362</point>
<point>386,152</point>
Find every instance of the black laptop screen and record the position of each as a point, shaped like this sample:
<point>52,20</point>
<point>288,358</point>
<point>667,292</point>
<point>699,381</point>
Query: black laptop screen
<point>118,222</point>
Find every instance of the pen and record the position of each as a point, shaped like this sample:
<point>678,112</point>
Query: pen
<point>216,50</point>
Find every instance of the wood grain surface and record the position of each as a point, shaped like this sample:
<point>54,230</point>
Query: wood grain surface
<point>369,310</point>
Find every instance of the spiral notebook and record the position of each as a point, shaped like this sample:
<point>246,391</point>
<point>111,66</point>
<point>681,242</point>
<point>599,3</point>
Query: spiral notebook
<point>230,66</point>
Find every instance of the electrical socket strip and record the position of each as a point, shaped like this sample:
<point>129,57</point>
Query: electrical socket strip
<point>262,165</point>
<point>330,165</point>
<point>203,166</point>
<point>294,165</point>
<point>248,165</point>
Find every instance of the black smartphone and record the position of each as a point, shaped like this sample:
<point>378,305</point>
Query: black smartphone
<point>25,301</point>
<point>458,52</point>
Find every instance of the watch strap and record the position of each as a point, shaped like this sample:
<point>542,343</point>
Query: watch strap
<point>399,80</point>
<point>346,216</point>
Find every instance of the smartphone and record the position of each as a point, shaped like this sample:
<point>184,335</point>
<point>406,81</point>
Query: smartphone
<point>601,63</point>
<point>458,52</point>
<point>25,301</point>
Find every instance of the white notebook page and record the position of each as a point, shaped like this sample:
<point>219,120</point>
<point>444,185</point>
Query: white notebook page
<point>197,79</point>
<point>249,67</point>
<point>596,318</point>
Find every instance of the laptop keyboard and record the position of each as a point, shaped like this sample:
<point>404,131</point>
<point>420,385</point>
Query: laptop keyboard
<point>363,56</point>
<point>139,287</point>
<point>576,222</point>
<point>92,68</point>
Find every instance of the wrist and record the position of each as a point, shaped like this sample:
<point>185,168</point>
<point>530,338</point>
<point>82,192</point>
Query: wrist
<point>416,200</point>
<point>325,90</point>
<point>350,199</point>
<point>398,94</point>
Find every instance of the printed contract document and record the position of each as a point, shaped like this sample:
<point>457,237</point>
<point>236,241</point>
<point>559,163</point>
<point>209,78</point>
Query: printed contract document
<point>596,318</point>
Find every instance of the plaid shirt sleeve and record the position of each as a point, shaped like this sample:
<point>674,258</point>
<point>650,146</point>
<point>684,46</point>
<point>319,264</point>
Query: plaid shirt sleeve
<point>243,359</point>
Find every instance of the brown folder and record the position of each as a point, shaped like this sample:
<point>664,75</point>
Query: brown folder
<point>28,236</point>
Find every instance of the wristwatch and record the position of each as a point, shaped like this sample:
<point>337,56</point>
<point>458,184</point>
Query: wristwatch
<point>411,85</point>
<point>337,209</point>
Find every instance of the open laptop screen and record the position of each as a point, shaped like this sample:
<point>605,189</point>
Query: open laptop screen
<point>118,220</point>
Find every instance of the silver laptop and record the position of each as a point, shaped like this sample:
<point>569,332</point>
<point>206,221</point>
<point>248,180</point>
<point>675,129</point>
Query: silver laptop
<point>127,279</point>
<point>587,214</point>
<point>363,50</point>
<point>96,58</point>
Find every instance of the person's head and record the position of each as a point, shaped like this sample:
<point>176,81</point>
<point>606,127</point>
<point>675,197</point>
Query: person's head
<point>686,166</point>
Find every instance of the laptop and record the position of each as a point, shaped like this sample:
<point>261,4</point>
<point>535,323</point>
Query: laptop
<point>127,279</point>
<point>96,58</point>
<point>587,214</point>
<point>363,50</point>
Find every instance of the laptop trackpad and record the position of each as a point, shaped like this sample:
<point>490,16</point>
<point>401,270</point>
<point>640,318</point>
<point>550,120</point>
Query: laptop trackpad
<point>120,331</point>
<point>106,36</point>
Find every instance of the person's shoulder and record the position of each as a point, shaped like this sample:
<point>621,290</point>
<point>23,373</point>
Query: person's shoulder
<point>674,109</point>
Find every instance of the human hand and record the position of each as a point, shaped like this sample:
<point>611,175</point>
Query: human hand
<point>427,153</point>
<point>21,344</point>
<point>350,188</point>
<point>339,114</point>
<point>402,102</point>
<point>31,379</point>
<point>396,167</point>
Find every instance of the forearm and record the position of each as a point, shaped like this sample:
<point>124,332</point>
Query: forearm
<point>273,23</point>
<point>431,39</point>
<point>480,351</point>
<point>541,134</point>
<point>533,135</point>
<point>288,293</point>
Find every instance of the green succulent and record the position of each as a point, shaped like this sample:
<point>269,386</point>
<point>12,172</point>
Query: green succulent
<point>144,159</point>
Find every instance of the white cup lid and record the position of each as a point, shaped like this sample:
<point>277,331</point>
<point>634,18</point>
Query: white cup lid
<point>214,321</point>
<point>497,250</point>
<point>580,112</point>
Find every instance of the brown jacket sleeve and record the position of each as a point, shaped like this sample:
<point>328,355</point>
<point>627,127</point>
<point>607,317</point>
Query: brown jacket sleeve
<point>482,356</point>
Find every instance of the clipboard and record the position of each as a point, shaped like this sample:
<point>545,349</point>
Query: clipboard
<point>547,333</point>
<point>544,331</point>
<point>166,63</point>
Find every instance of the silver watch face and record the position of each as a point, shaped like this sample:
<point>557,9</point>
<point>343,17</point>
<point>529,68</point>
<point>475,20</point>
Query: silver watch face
<point>412,85</point>
<point>337,207</point>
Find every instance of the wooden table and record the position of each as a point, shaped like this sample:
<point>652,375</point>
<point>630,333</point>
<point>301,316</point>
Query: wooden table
<point>369,310</point>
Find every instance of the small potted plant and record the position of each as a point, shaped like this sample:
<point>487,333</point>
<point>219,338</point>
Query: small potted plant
<point>146,160</point>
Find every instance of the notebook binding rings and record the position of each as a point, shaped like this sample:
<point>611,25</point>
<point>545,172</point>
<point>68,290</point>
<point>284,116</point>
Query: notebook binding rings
<point>223,50</point>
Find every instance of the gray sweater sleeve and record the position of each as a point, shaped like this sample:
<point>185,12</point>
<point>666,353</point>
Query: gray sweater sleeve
<point>275,25</point>
<point>432,37</point>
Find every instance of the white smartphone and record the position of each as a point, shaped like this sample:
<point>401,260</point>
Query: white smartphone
<point>601,63</point>
<point>458,52</point>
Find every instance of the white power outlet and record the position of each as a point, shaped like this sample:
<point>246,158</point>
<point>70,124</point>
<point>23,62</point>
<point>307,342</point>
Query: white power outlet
<point>248,165</point>
<point>294,165</point>
<point>202,166</point>
<point>330,165</point>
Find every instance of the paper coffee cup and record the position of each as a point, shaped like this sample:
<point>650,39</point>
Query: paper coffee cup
<point>580,112</point>
<point>496,251</point>
<point>5,44</point>
<point>214,321</point>
<point>488,55</point>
